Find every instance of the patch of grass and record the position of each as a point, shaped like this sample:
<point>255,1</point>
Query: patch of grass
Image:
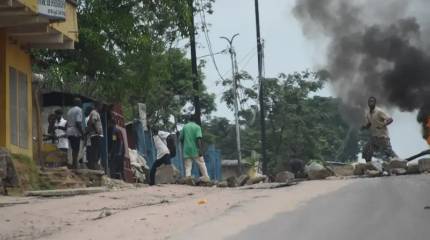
<point>28,174</point>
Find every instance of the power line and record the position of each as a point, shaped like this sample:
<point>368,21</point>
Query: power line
<point>208,41</point>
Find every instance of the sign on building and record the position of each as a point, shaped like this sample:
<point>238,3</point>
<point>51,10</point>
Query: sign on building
<point>53,8</point>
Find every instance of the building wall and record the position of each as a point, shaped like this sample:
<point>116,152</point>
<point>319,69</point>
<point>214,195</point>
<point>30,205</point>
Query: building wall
<point>70,27</point>
<point>20,60</point>
<point>2,89</point>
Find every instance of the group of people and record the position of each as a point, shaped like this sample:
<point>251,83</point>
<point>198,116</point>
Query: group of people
<point>71,133</point>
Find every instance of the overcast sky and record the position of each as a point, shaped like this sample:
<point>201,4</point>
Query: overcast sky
<point>286,50</point>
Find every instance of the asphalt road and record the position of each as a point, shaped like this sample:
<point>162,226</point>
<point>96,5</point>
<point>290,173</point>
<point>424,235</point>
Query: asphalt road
<point>392,208</point>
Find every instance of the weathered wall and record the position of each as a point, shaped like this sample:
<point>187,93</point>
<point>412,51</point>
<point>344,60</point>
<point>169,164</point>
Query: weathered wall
<point>2,89</point>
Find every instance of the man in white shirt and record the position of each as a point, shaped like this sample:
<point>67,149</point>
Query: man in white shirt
<point>60,127</point>
<point>163,153</point>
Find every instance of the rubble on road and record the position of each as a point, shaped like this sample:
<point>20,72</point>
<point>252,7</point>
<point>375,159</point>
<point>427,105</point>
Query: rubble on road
<point>222,184</point>
<point>284,177</point>
<point>232,182</point>
<point>398,171</point>
<point>167,174</point>
<point>316,171</point>
<point>395,163</point>
<point>242,180</point>
<point>187,181</point>
<point>424,165</point>
<point>373,173</point>
<point>361,168</point>
<point>413,168</point>
<point>267,186</point>
<point>257,179</point>
<point>343,170</point>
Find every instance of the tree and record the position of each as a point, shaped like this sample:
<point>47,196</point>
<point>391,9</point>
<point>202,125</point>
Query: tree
<point>126,54</point>
<point>299,125</point>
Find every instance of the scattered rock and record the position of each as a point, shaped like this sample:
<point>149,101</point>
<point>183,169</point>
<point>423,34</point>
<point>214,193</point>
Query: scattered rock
<point>413,169</point>
<point>242,180</point>
<point>222,184</point>
<point>424,165</point>
<point>361,168</point>
<point>232,182</point>
<point>345,170</point>
<point>317,171</point>
<point>187,181</point>
<point>284,177</point>
<point>167,174</point>
<point>395,163</point>
<point>373,173</point>
<point>398,171</point>
<point>257,179</point>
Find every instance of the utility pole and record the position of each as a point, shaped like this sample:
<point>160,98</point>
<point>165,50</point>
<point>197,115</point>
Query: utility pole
<point>235,70</point>
<point>196,81</point>
<point>261,92</point>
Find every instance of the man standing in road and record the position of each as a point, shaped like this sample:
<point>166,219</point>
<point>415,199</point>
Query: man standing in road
<point>191,139</point>
<point>74,130</point>
<point>377,121</point>
<point>60,127</point>
<point>95,134</point>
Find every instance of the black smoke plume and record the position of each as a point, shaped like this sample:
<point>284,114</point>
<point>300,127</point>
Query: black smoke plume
<point>376,48</point>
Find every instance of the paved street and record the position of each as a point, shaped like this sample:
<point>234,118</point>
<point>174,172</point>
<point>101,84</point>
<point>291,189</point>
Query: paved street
<point>383,209</point>
<point>390,208</point>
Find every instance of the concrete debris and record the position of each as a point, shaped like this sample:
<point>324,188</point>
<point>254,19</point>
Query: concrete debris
<point>242,180</point>
<point>167,174</point>
<point>115,184</point>
<point>222,184</point>
<point>361,168</point>
<point>284,177</point>
<point>413,168</point>
<point>316,171</point>
<point>373,173</point>
<point>424,165</point>
<point>343,170</point>
<point>232,182</point>
<point>398,171</point>
<point>257,179</point>
<point>66,192</point>
<point>395,163</point>
<point>187,181</point>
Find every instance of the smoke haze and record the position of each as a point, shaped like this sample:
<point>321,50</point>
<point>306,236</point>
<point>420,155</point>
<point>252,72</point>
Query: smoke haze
<point>376,48</point>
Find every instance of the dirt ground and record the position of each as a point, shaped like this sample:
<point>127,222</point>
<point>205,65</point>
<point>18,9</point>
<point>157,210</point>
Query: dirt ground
<point>163,212</point>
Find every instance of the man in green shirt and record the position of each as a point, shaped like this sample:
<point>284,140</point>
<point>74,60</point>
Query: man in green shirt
<point>191,139</point>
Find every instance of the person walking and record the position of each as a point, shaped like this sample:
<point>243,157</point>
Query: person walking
<point>191,139</point>
<point>164,153</point>
<point>377,122</point>
<point>95,134</point>
<point>75,130</point>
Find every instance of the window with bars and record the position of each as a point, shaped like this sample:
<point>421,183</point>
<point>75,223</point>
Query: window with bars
<point>18,105</point>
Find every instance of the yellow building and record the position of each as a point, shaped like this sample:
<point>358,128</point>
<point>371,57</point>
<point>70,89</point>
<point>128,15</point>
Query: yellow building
<point>25,25</point>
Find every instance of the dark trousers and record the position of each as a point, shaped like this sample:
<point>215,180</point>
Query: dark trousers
<point>164,160</point>
<point>75,144</point>
<point>381,145</point>
<point>94,154</point>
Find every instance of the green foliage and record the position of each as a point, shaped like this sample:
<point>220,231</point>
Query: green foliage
<point>126,54</point>
<point>299,125</point>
